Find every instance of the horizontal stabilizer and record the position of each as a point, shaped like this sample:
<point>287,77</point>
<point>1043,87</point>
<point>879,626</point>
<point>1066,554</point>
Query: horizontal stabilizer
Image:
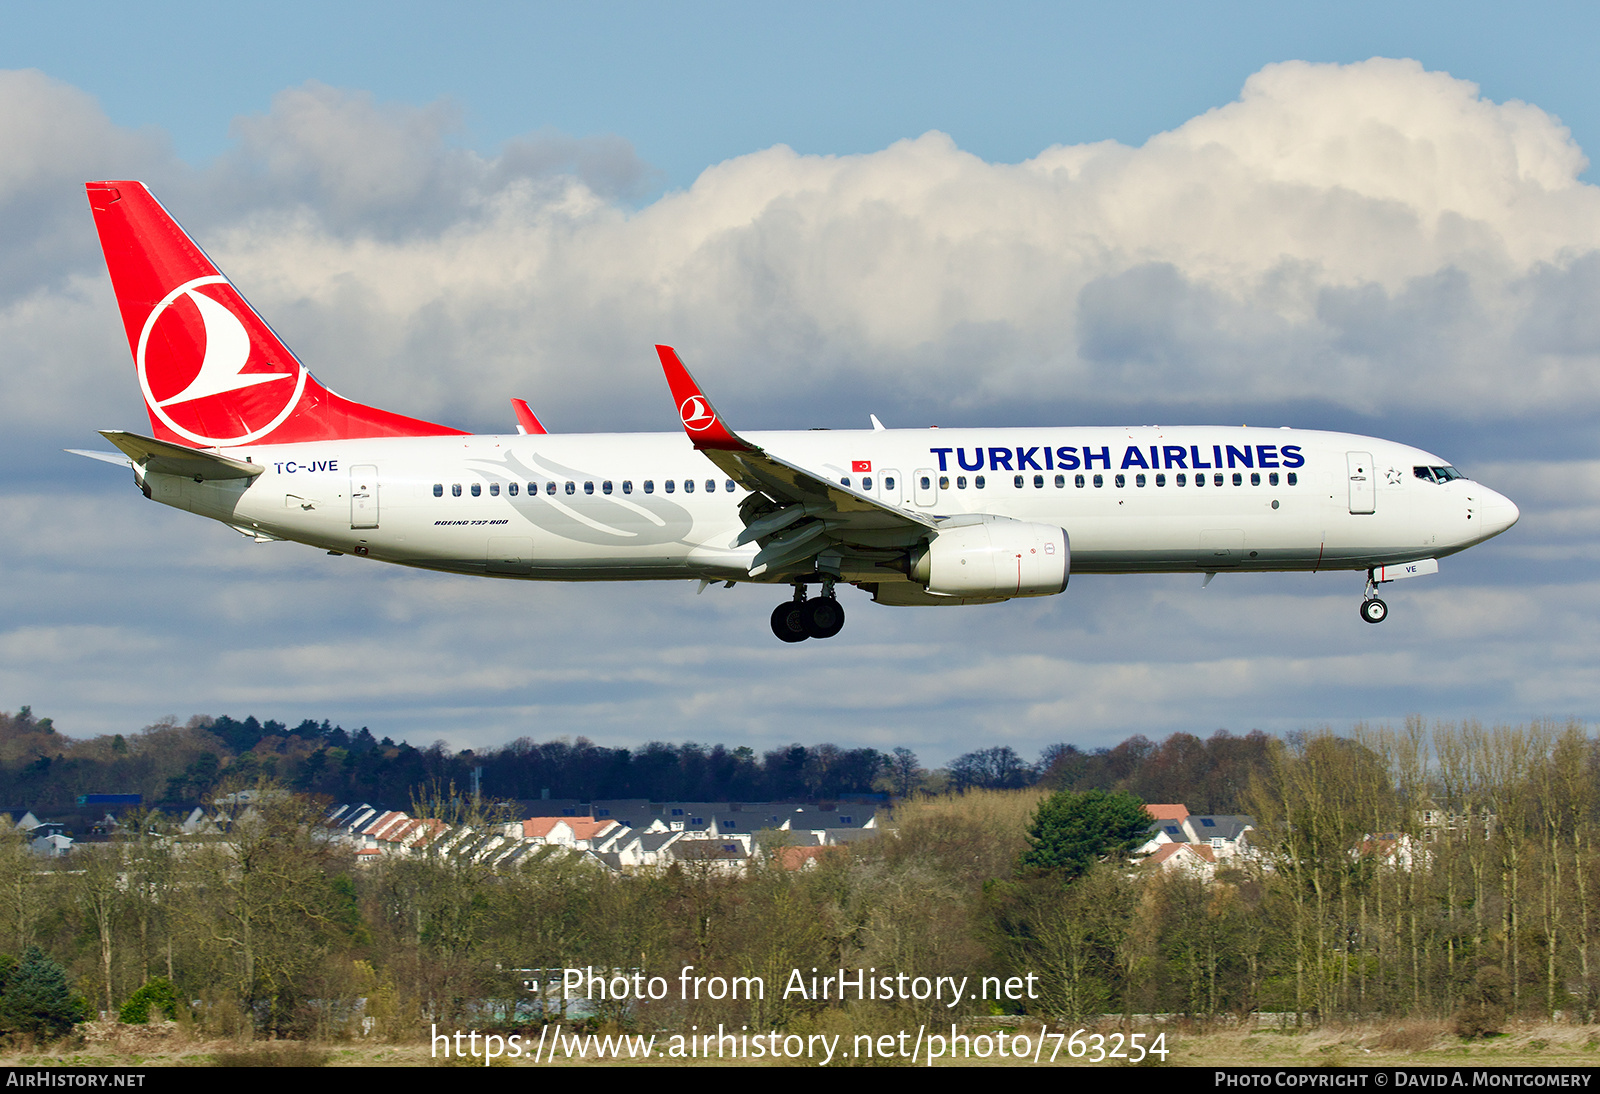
<point>105,457</point>
<point>165,458</point>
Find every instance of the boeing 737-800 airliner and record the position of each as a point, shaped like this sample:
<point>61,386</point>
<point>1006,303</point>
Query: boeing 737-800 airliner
<point>242,433</point>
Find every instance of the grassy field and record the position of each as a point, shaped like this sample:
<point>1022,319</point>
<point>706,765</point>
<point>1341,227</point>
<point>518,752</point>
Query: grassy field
<point>1406,1042</point>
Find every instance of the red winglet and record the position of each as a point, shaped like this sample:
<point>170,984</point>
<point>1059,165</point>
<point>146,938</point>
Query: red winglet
<point>525,417</point>
<point>700,419</point>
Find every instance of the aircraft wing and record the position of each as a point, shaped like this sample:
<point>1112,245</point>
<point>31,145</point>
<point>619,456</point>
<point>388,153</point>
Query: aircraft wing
<point>165,458</point>
<point>803,521</point>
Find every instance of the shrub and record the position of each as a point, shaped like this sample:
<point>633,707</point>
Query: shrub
<point>157,993</point>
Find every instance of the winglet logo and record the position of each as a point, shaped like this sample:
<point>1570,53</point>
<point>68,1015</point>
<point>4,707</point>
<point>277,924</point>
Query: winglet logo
<point>696,414</point>
<point>192,359</point>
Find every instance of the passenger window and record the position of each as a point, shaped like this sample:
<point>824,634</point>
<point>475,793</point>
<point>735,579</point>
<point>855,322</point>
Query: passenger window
<point>1038,482</point>
<point>728,486</point>
<point>1292,478</point>
<point>1180,479</point>
<point>438,489</point>
<point>649,486</point>
<point>572,487</point>
<point>1077,480</point>
<point>845,481</point>
<point>1255,478</point>
<point>1138,480</point>
<point>477,489</point>
<point>494,490</point>
<point>888,482</point>
<point>455,490</point>
<point>1216,480</point>
<point>1099,481</point>
<point>977,482</point>
<point>627,486</point>
<point>925,482</point>
<point>1272,479</point>
<point>688,486</point>
<point>1238,478</point>
<point>550,488</point>
<point>1061,482</point>
<point>866,482</point>
<point>605,487</point>
<point>1161,480</point>
<point>944,482</point>
<point>1200,480</point>
<point>961,482</point>
<point>511,488</point>
<point>1017,482</point>
<point>1122,480</point>
<point>670,485</point>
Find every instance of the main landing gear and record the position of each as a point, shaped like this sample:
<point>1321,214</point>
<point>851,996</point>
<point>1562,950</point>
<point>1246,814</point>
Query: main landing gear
<point>1373,610</point>
<point>803,618</point>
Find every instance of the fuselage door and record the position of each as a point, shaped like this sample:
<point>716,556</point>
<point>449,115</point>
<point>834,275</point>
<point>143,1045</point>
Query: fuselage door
<point>890,489</point>
<point>925,486</point>
<point>1363,491</point>
<point>364,496</point>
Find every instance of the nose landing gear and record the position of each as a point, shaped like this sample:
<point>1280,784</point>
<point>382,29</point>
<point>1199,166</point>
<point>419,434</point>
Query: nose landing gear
<point>802,618</point>
<point>1373,610</point>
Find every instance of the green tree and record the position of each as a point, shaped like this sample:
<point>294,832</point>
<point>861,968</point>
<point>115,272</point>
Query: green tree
<point>158,994</point>
<point>37,999</point>
<point>1073,831</point>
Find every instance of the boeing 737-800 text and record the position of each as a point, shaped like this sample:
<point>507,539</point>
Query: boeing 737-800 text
<point>242,433</point>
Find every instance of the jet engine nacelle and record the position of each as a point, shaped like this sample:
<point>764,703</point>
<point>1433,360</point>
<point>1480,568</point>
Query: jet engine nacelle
<point>995,557</point>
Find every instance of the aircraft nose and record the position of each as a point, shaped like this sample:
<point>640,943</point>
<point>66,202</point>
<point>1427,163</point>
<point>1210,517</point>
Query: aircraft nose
<point>1499,512</point>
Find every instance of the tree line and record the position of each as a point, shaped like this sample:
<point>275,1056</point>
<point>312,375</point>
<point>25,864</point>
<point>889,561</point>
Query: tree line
<point>172,764</point>
<point>1409,871</point>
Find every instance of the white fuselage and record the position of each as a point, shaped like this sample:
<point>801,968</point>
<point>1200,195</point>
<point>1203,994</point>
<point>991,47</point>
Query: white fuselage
<point>1127,497</point>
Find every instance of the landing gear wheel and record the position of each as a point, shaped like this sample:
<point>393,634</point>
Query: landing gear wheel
<point>824,616</point>
<point>1374,610</point>
<point>789,621</point>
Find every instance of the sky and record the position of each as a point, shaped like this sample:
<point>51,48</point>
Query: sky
<point>1375,220</point>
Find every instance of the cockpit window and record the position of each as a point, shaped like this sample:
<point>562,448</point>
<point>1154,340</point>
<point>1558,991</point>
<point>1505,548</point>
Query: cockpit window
<point>1437,474</point>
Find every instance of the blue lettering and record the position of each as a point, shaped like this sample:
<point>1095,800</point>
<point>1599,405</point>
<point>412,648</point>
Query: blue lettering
<point>1067,457</point>
<point>1194,450</point>
<point>1176,456</point>
<point>942,453</point>
<point>977,459</point>
<point>1266,455</point>
<point>999,459</point>
<point>292,466</point>
<point>1048,465</point>
<point>1025,460</point>
<point>1104,457</point>
<point>1216,453</point>
<point>1245,457</point>
<point>1292,457</point>
<point>1134,457</point>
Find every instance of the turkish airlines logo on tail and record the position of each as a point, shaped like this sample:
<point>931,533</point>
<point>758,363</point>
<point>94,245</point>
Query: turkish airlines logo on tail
<point>204,375</point>
<point>696,414</point>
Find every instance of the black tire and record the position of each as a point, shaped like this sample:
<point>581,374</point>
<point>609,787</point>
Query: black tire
<point>824,617</point>
<point>1374,610</point>
<point>789,622</point>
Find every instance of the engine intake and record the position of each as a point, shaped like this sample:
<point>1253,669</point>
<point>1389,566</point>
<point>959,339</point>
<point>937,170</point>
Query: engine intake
<point>996,557</point>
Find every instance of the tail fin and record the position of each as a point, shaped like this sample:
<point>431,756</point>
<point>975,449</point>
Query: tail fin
<point>213,373</point>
